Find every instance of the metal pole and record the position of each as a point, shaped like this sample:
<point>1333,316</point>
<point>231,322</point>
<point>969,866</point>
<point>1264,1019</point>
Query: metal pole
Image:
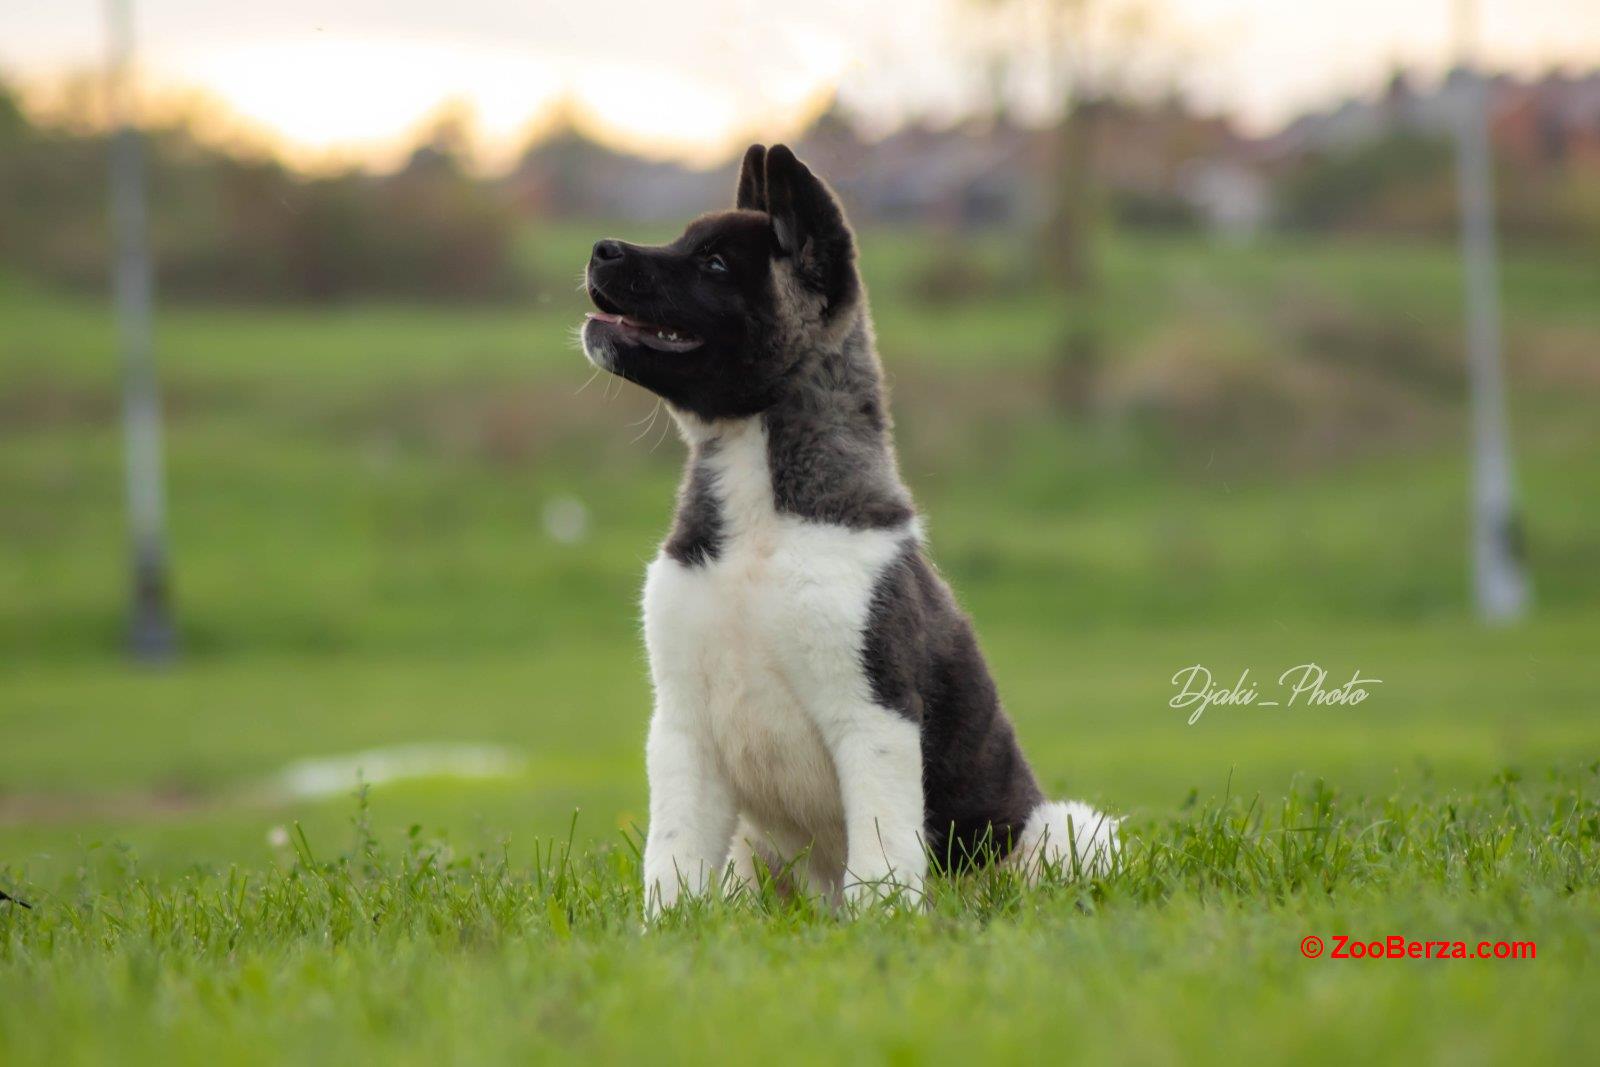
<point>151,637</point>
<point>1498,578</point>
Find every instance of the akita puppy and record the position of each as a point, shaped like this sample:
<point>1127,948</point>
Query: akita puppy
<point>821,705</point>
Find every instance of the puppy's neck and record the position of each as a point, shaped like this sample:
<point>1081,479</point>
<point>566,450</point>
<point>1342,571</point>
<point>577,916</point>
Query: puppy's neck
<point>826,442</point>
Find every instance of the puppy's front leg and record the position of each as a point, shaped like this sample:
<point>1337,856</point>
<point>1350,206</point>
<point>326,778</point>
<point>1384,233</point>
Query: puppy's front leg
<point>692,814</point>
<point>879,759</point>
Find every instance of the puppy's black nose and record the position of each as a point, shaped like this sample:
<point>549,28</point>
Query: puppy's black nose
<point>607,250</point>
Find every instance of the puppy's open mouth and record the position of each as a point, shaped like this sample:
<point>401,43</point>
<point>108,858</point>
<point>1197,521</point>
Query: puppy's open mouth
<point>650,334</point>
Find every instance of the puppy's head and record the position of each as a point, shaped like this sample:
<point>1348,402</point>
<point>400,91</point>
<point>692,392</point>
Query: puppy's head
<point>715,321</point>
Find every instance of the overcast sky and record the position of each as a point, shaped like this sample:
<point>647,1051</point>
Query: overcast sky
<point>692,78</point>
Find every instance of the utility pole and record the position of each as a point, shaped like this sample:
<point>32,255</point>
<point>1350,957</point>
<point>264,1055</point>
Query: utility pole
<point>151,636</point>
<point>1498,578</point>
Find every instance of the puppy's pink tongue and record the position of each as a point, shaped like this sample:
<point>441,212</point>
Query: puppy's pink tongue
<point>604,317</point>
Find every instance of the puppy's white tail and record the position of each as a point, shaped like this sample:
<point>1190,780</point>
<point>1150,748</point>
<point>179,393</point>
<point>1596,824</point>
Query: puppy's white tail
<point>1057,829</point>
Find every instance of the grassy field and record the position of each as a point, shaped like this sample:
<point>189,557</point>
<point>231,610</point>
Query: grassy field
<point>1190,950</point>
<point>1265,470</point>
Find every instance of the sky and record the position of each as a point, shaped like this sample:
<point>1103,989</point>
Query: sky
<point>326,83</point>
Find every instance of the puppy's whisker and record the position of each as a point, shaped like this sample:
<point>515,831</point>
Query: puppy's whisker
<point>645,432</point>
<point>665,426</point>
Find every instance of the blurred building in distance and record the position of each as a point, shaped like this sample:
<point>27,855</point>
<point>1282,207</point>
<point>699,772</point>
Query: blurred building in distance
<point>1386,163</point>
<point>227,224</point>
<point>1160,165</point>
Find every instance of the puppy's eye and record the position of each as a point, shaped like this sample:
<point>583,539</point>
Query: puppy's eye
<point>716,265</point>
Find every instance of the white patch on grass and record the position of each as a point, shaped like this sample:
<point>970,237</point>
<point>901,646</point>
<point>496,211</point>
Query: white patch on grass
<point>566,520</point>
<point>327,776</point>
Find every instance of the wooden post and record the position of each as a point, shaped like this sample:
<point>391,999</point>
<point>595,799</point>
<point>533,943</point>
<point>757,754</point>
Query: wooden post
<point>1498,578</point>
<point>151,637</point>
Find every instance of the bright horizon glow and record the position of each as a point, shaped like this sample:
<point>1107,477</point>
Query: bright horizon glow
<point>697,79</point>
<point>361,99</point>
<point>366,100</point>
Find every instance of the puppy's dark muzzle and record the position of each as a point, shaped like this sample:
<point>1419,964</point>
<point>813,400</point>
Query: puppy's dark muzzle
<point>615,283</point>
<point>597,295</point>
<point>611,260</point>
<point>612,265</point>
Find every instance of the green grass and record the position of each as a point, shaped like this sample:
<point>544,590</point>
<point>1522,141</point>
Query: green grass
<point>1189,949</point>
<point>1270,473</point>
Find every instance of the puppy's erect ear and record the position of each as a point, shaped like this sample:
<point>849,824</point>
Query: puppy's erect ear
<point>810,226</point>
<point>752,194</point>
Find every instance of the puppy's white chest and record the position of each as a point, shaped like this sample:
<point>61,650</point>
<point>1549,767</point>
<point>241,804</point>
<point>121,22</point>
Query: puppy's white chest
<point>756,646</point>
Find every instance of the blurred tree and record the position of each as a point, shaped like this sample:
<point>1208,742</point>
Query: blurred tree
<point>227,225</point>
<point>1086,54</point>
<point>1400,183</point>
<point>1079,54</point>
<point>13,126</point>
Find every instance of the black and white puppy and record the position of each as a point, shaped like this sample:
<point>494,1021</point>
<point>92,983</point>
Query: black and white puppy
<point>821,705</point>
